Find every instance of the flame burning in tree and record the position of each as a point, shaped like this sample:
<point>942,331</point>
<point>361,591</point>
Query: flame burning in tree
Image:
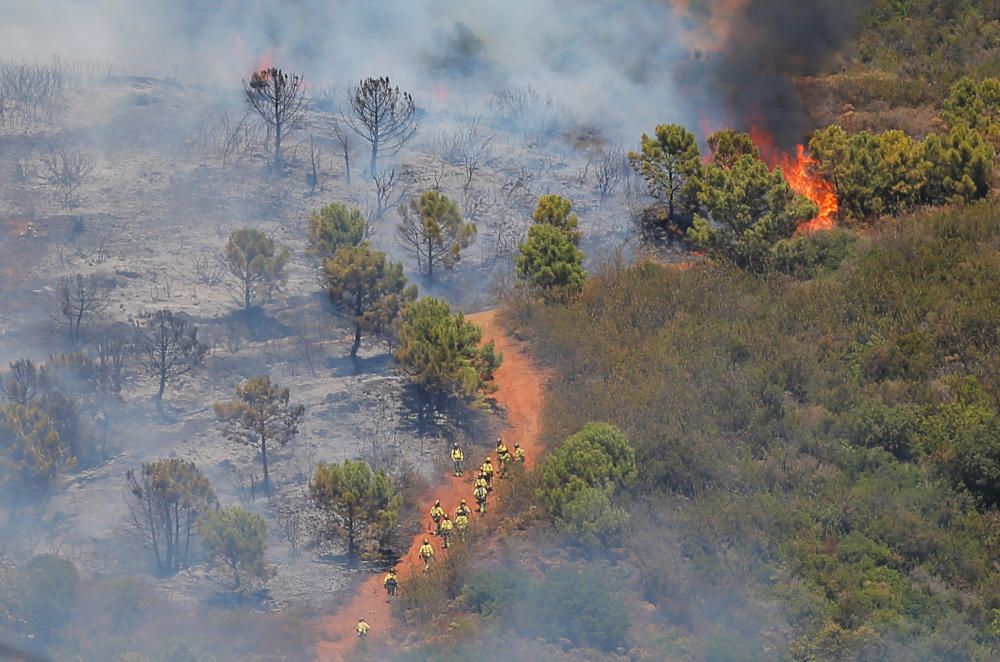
<point>245,53</point>
<point>800,171</point>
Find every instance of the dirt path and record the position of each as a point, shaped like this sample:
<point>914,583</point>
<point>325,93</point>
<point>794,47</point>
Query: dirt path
<point>520,395</point>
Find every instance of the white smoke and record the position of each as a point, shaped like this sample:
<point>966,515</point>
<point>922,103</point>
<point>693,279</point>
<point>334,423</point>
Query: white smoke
<point>609,62</point>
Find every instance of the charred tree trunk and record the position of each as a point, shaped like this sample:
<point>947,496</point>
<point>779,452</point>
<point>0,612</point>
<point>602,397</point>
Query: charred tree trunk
<point>263,458</point>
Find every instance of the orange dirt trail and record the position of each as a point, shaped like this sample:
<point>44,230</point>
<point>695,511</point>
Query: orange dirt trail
<point>521,388</point>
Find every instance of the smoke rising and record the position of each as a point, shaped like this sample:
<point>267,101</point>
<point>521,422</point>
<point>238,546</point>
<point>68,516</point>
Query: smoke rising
<point>608,62</point>
<point>618,65</point>
<point>763,46</point>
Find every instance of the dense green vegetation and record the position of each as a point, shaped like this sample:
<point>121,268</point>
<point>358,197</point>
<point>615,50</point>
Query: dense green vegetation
<point>440,352</point>
<point>892,172</point>
<point>824,452</point>
<point>929,42</point>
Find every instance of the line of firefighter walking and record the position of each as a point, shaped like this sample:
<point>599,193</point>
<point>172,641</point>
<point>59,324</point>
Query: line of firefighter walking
<point>442,523</point>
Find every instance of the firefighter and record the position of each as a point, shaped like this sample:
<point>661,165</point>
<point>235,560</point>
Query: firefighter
<point>362,628</point>
<point>461,524</point>
<point>503,457</point>
<point>480,493</point>
<point>518,453</point>
<point>486,469</point>
<point>446,528</point>
<point>391,583</point>
<point>426,553</point>
<point>437,512</point>
<point>463,509</point>
<point>481,481</point>
<point>458,458</point>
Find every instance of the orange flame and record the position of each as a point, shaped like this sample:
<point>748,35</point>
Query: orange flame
<point>245,54</point>
<point>265,61</point>
<point>801,173</point>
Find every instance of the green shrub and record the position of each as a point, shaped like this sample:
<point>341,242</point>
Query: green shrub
<point>580,479</point>
<point>813,254</point>
<point>578,604</point>
<point>495,591</point>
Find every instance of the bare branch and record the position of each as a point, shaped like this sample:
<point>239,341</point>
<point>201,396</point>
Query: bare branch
<point>81,298</point>
<point>382,115</point>
<point>279,100</point>
<point>66,170</point>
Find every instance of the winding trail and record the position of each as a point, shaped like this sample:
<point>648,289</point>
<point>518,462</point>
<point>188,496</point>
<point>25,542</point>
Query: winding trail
<point>520,393</point>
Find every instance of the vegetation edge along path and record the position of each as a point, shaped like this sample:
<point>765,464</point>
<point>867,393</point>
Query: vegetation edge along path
<point>520,391</point>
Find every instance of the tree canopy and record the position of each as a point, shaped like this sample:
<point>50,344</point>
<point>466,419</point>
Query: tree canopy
<point>333,226</point>
<point>550,262</point>
<point>357,500</point>
<point>747,209</point>
<point>727,146</point>
<point>31,455</point>
<point>382,115</point>
<point>170,347</point>
<point>236,540</point>
<point>890,172</point>
<point>260,416</point>
<point>165,499</point>
<point>670,162</point>
<point>371,290</point>
<point>555,210</point>
<point>256,264</point>
<point>442,352</point>
<point>580,480</point>
<point>433,231</point>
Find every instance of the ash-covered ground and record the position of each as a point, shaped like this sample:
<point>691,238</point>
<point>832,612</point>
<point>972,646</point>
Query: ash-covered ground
<point>176,168</point>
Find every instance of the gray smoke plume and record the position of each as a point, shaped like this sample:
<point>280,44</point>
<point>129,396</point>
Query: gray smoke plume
<point>750,80</point>
<point>608,62</point>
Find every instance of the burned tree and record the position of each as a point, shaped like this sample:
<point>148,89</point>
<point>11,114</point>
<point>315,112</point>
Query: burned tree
<point>346,147</point>
<point>65,171</point>
<point>169,347</point>
<point>32,456</point>
<point>21,383</point>
<point>112,350</point>
<point>259,415</point>
<point>165,499</point>
<point>80,299</point>
<point>382,115</point>
<point>279,99</point>
<point>434,232</point>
